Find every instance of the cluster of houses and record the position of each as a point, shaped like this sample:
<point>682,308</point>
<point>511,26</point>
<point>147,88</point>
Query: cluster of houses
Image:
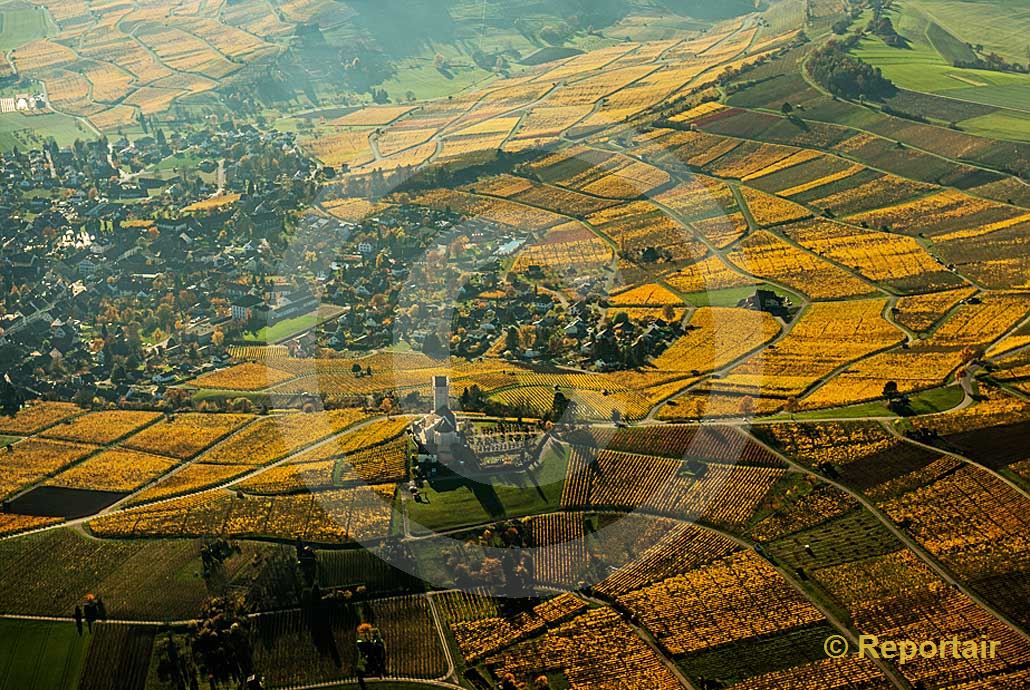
<point>82,234</point>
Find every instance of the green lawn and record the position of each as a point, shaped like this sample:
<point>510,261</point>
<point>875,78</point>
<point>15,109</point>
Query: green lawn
<point>21,24</point>
<point>37,655</point>
<point>290,327</point>
<point>729,297</point>
<point>4,440</point>
<point>457,501</point>
<point>422,78</point>
<point>1000,25</point>
<point>936,399</point>
<point>870,409</point>
<point>924,402</point>
<point>27,132</point>
<point>178,161</point>
<point>1004,124</point>
<point>920,67</point>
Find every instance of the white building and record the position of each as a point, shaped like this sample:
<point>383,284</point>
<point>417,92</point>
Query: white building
<point>437,434</point>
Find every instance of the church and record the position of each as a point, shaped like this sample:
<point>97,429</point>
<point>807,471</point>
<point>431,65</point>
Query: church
<point>439,438</point>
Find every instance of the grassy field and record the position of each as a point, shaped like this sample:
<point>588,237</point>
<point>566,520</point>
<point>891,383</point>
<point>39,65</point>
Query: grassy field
<point>21,24</point>
<point>457,501</point>
<point>179,161</point>
<point>30,132</point>
<point>37,655</point>
<point>925,402</point>
<point>422,78</point>
<point>922,67</point>
<point>289,327</point>
<point>1002,124</point>
<point>729,297</point>
<point>1002,26</point>
<point>380,685</point>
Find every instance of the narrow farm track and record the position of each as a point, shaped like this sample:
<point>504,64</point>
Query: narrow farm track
<point>803,69</point>
<point>80,523</point>
<point>848,632</point>
<point>913,546</point>
<point>752,224</point>
<point>876,513</point>
<point>958,456</point>
<point>115,444</point>
<point>650,640</point>
<point>658,63</point>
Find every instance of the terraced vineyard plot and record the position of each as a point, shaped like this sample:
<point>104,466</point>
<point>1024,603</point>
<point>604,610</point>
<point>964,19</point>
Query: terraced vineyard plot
<point>700,609</point>
<point>824,673</point>
<point>961,518</point>
<point>415,647</point>
<point>708,275</point>
<point>719,494</point>
<point>921,312</point>
<point>358,567</point>
<point>114,470</point>
<point>769,210</point>
<point>721,336</point>
<point>101,427</point>
<point>792,513</point>
<point>291,648</point>
<point>826,336</point>
<point>811,173</point>
<point>722,231</point>
<point>275,437</point>
<point>387,462</point>
<point>193,477</point>
<point>185,435</point>
<point>998,260</point>
<point>589,650</point>
<point>895,593</point>
<point>35,459</point>
<point>938,213</point>
<point>747,158</point>
<point>600,173</point>
<point>863,453</point>
<point>118,657</point>
<point>480,628</point>
<point>14,524</point>
<point>858,193</point>
<point>377,432</point>
<point>640,226</point>
<point>35,416</point>
<point>760,660</point>
<point>927,363</point>
<point>140,580</point>
<point>684,441</point>
<point>851,537</point>
<point>331,516</point>
<point>767,256</point>
<point>560,546</point>
<point>898,261</point>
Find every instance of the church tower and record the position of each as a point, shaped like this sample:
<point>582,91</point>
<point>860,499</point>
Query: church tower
<point>441,394</point>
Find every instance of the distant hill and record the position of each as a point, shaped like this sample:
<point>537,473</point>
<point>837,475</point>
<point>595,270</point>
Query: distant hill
<point>401,45</point>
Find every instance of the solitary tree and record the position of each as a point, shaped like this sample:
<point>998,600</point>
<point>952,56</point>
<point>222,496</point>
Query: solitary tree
<point>890,390</point>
